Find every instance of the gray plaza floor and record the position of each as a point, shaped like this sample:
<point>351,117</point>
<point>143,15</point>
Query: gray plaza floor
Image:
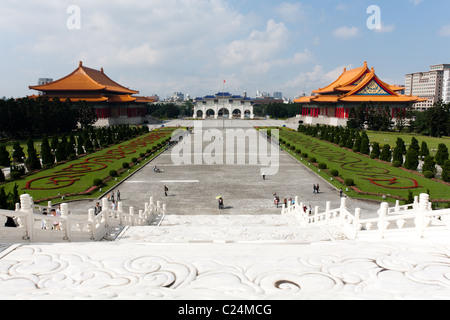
<point>193,188</point>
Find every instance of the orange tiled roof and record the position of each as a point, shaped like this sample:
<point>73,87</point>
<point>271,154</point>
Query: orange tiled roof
<point>85,79</point>
<point>358,85</point>
<point>121,98</point>
<point>348,77</point>
<point>145,99</point>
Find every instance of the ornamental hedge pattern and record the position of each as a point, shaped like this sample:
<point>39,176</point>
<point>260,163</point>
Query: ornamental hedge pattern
<point>70,175</point>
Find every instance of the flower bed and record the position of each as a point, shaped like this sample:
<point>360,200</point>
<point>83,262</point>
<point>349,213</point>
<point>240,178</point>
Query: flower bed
<point>372,176</point>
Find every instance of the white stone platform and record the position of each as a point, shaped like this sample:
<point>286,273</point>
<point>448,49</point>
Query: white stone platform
<point>253,258</point>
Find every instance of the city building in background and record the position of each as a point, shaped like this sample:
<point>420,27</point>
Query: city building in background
<point>432,86</point>
<point>278,95</point>
<point>446,86</point>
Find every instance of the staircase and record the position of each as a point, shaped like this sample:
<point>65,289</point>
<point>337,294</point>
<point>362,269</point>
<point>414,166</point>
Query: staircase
<point>224,229</point>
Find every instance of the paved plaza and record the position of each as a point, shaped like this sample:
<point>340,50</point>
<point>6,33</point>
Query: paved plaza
<point>193,188</point>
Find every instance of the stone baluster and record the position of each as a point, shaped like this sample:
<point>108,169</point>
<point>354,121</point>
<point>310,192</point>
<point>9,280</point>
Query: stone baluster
<point>91,224</point>
<point>152,203</point>
<point>420,220</point>
<point>382,223</point>
<point>26,208</point>
<point>357,224</point>
<point>342,210</point>
<point>65,226</point>
<point>105,205</point>
<point>120,210</point>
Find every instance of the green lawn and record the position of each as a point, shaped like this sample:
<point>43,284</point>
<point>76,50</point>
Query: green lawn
<point>391,138</point>
<point>78,176</point>
<point>370,176</point>
<point>23,144</point>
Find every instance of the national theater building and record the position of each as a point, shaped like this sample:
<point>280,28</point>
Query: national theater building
<point>113,103</point>
<point>331,105</point>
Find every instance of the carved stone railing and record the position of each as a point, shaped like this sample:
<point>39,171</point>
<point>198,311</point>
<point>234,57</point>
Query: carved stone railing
<point>417,220</point>
<point>33,226</point>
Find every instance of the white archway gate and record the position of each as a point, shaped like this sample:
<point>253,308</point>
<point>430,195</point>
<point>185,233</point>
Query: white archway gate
<point>225,101</point>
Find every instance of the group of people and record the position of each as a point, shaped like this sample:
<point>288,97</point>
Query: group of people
<point>157,170</point>
<point>114,202</point>
<point>307,209</point>
<point>111,196</point>
<point>55,213</point>
<point>276,201</point>
<point>316,188</point>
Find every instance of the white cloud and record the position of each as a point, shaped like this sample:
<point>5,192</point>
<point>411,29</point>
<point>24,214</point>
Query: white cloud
<point>445,30</point>
<point>346,32</point>
<point>257,47</point>
<point>416,2</point>
<point>308,81</point>
<point>261,50</point>
<point>342,7</point>
<point>291,12</point>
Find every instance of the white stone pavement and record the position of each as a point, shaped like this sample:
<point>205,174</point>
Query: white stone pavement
<point>240,259</point>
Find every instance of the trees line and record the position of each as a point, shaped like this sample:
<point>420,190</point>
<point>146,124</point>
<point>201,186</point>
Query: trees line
<point>434,122</point>
<point>400,156</point>
<point>63,147</point>
<point>25,117</point>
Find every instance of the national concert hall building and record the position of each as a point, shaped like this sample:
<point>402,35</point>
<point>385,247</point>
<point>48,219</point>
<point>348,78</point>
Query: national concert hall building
<point>332,104</point>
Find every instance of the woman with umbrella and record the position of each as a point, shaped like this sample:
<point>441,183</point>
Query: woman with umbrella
<point>221,207</point>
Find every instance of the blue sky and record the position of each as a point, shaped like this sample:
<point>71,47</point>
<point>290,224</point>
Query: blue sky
<point>164,46</point>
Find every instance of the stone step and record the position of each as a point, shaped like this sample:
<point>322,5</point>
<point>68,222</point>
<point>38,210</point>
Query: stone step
<point>223,229</point>
<point>226,220</point>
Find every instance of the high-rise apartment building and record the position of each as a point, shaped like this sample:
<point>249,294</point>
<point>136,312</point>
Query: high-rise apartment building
<point>278,95</point>
<point>433,85</point>
<point>446,86</point>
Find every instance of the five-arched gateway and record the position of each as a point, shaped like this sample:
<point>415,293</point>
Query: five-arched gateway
<point>223,104</point>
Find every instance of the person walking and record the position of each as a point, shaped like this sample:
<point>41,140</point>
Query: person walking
<point>317,188</point>
<point>314,188</point>
<point>264,175</point>
<point>341,192</point>
<point>118,195</point>
<point>97,209</point>
<point>56,213</point>
<point>166,190</point>
<point>221,207</point>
